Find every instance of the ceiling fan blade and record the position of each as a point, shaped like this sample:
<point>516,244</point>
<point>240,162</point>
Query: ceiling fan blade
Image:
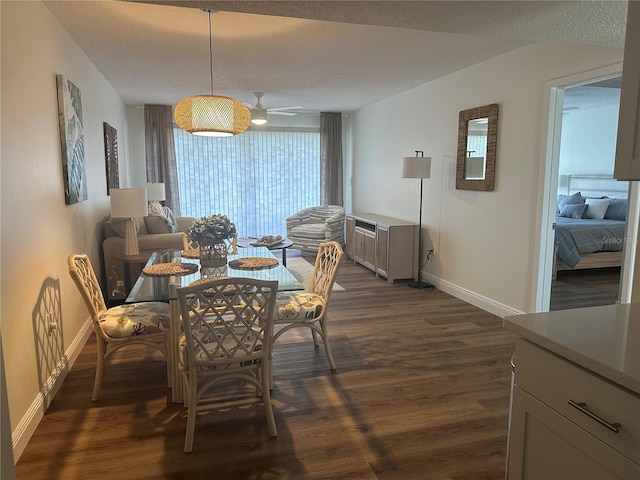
<point>289,114</point>
<point>278,109</point>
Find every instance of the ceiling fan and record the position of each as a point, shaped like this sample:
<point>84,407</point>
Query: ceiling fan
<point>259,113</point>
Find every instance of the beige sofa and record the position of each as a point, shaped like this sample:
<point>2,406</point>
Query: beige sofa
<point>153,234</point>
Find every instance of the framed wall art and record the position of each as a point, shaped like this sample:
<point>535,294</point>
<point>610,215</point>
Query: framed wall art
<point>111,156</point>
<point>71,141</point>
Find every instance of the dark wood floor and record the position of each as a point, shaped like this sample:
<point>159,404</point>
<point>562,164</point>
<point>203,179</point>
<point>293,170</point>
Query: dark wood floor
<point>585,288</point>
<point>421,392</point>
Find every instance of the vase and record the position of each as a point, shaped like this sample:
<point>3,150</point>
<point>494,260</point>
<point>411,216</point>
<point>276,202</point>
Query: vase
<point>213,254</point>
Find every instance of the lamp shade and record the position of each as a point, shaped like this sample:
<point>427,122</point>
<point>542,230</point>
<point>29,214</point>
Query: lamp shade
<point>258,116</point>
<point>212,115</point>
<point>416,167</point>
<point>155,191</point>
<point>128,202</point>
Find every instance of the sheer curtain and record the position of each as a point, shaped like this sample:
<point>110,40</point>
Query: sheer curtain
<point>161,152</point>
<point>331,184</point>
<point>257,178</point>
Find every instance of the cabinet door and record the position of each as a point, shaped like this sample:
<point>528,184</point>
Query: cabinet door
<point>369,256</point>
<point>382,251</point>
<point>364,247</point>
<point>627,165</point>
<point>545,445</point>
<point>358,245</point>
<point>349,234</point>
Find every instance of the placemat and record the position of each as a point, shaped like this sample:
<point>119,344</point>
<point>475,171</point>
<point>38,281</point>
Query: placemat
<point>253,263</point>
<point>192,253</point>
<point>168,269</point>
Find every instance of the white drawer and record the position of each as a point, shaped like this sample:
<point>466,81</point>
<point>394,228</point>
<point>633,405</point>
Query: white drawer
<point>558,383</point>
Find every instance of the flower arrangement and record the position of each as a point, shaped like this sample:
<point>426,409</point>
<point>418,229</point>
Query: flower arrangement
<point>212,228</point>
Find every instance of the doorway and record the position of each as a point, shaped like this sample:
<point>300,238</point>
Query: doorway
<point>580,146</point>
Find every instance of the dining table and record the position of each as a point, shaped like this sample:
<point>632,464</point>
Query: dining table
<point>158,284</point>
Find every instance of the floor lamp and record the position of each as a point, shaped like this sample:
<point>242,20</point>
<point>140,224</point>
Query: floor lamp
<point>418,167</point>
<point>128,203</point>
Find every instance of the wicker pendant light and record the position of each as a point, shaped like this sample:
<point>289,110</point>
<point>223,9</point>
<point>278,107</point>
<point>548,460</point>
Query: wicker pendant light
<point>211,115</point>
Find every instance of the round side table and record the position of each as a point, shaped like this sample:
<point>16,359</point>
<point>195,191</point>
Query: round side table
<point>244,242</point>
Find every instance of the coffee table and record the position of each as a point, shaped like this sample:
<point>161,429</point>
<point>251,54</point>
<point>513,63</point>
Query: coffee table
<point>245,242</point>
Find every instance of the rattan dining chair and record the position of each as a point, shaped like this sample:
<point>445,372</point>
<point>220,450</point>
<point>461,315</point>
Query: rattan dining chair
<point>144,323</point>
<point>228,334</point>
<point>308,309</point>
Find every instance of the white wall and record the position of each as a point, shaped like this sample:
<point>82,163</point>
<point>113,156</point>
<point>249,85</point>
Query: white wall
<point>588,141</point>
<point>485,241</point>
<point>38,230</point>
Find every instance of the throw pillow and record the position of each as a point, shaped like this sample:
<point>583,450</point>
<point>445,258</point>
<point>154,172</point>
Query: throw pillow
<point>155,209</point>
<point>574,199</point>
<point>119,226</point>
<point>165,213</point>
<point>597,207</point>
<point>155,224</point>
<point>573,210</point>
<point>170,218</point>
<point>617,209</point>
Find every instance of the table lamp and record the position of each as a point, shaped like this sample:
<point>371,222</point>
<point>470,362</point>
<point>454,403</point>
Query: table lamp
<point>129,203</point>
<point>155,192</point>
<point>418,167</point>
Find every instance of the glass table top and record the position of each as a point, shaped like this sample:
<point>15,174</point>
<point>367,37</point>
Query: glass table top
<point>162,289</point>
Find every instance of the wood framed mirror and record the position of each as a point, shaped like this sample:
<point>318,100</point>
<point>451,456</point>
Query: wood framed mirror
<point>477,139</point>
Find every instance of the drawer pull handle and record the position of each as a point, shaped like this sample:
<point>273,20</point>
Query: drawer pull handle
<point>582,407</point>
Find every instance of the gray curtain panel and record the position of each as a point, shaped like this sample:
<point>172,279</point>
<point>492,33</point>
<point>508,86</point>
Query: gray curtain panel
<point>161,152</point>
<point>331,185</point>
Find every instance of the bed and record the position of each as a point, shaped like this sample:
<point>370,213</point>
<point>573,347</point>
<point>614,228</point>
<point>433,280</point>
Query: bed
<point>590,223</point>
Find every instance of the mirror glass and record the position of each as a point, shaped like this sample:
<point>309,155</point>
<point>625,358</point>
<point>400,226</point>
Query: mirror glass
<point>476,149</point>
<point>477,138</point>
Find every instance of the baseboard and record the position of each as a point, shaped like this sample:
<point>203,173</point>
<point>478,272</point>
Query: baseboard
<point>473,298</point>
<point>27,426</point>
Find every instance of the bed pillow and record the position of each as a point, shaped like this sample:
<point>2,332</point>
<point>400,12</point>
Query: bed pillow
<point>574,199</point>
<point>617,209</point>
<point>597,207</point>
<point>574,210</point>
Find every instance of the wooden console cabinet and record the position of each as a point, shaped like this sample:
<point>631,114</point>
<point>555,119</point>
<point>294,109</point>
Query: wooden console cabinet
<point>385,245</point>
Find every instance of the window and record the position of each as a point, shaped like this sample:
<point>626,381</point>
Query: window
<point>257,178</point>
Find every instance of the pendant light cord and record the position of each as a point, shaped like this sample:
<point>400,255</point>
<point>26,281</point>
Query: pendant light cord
<point>210,54</point>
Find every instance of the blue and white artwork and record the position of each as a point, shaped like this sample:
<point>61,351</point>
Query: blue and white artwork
<point>71,141</point>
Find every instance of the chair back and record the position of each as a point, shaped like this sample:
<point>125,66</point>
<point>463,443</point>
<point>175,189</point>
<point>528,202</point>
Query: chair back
<point>227,323</point>
<point>325,269</point>
<point>187,244</point>
<point>84,277</point>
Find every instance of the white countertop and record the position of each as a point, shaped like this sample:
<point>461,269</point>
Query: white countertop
<point>605,340</point>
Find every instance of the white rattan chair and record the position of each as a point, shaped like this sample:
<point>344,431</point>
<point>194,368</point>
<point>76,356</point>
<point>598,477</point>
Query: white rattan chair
<point>228,334</point>
<point>308,309</point>
<point>144,323</point>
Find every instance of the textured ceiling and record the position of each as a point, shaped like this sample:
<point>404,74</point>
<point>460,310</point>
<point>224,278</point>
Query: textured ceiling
<point>323,56</point>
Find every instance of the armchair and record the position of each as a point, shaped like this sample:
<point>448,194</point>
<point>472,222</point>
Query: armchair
<point>312,226</point>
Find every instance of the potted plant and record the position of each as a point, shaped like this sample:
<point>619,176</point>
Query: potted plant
<point>211,233</point>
